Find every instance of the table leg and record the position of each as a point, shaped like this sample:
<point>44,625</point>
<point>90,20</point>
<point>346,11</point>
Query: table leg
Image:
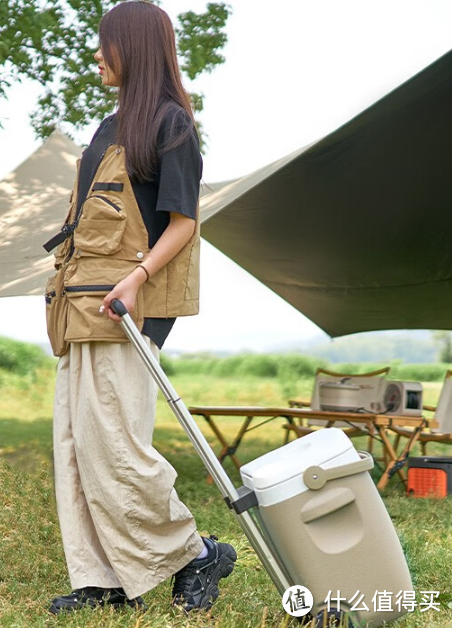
<point>393,459</point>
<point>238,439</point>
<point>410,443</point>
<point>290,422</point>
<point>228,449</point>
<point>370,439</point>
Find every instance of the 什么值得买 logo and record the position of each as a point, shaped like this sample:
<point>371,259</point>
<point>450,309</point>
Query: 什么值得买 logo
<point>297,601</point>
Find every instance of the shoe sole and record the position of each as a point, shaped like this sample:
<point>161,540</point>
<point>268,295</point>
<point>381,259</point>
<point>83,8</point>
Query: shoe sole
<point>224,569</point>
<point>139,608</point>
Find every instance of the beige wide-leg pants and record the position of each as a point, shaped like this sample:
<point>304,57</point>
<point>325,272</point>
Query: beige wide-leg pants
<point>122,522</point>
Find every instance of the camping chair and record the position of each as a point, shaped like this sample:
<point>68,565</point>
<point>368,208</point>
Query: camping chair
<point>372,379</point>
<point>442,414</point>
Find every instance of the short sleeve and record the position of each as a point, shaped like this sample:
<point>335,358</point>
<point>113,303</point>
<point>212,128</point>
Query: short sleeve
<point>180,173</point>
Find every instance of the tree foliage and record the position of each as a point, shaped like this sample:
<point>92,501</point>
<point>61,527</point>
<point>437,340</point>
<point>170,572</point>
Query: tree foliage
<point>53,42</point>
<point>444,342</point>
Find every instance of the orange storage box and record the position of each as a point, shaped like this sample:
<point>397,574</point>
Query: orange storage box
<point>429,477</point>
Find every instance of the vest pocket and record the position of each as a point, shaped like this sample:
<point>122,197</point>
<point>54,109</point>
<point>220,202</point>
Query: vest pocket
<point>84,321</point>
<point>101,226</point>
<point>192,280</point>
<point>56,313</point>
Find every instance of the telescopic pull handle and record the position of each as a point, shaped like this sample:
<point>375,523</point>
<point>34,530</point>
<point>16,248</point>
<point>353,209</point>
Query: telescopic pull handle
<point>118,307</point>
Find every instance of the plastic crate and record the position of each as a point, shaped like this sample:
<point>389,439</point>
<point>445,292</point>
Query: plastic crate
<point>429,477</point>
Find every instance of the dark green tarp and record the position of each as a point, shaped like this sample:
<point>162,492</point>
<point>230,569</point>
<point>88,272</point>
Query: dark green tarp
<point>355,231</point>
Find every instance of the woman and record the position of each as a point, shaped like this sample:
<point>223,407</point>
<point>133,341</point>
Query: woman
<point>133,234</point>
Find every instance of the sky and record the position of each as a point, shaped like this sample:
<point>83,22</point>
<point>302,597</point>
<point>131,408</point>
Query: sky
<point>295,71</point>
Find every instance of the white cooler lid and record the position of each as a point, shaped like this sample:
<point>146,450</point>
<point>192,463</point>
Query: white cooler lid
<point>282,468</point>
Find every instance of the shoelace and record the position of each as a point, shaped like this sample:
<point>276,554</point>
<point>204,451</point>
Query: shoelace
<point>185,575</point>
<point>181,581</point>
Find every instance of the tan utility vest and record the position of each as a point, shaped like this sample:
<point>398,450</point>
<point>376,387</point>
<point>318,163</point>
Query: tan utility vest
<point>108,241</point>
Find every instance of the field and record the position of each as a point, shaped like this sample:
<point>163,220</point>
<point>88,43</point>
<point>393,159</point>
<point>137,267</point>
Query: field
<point>32,567</point>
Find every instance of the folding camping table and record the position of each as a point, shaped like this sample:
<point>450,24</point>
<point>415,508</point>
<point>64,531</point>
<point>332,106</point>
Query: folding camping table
<point>249,414</point>
<point>378,425</point>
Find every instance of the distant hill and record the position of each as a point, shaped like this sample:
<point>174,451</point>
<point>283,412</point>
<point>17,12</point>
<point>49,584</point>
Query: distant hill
<point>411,347</point>
<point>414,347</point>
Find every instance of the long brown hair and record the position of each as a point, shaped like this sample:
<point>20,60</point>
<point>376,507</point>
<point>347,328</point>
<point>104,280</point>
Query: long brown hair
<point>138,43</point>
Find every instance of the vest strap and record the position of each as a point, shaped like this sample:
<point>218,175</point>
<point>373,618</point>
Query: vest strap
<point>66,231</point>
<point>114,187</point>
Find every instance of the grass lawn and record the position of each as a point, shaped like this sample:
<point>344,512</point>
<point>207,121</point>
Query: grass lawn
<point>32,566</point>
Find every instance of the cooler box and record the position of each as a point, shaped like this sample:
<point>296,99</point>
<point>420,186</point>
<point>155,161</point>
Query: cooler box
<point>429,477</point>
<point>321,512</point>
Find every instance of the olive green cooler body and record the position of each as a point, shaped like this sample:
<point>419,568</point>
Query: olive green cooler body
<point>321,512</point>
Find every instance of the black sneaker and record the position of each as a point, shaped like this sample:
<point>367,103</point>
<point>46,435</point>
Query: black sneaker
<point>93,597</point>
<point>196,584</point>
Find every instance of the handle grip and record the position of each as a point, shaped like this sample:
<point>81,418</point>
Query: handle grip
<point>316,477</point>
<point>118,307</point>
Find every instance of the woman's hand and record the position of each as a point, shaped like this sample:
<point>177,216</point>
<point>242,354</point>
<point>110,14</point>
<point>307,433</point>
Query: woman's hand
<point>173,239</point>
<point>126,291</point>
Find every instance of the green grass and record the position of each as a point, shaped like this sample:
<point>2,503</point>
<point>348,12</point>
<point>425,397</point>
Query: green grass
<point>32,566</point>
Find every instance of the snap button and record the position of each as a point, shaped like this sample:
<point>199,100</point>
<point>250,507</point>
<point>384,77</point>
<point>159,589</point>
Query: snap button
<point>140,255</point>
<point>117,151</point>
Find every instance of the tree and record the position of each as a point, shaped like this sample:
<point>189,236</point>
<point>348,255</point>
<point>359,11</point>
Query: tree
<point>444,340</point>
<point>53,42</point>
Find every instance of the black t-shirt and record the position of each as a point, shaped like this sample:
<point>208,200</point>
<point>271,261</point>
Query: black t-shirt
<point>174,188</point>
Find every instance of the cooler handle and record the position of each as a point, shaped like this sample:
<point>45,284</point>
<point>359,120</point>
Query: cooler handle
<point>316,477</point>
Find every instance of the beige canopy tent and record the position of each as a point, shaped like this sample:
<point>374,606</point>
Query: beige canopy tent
<point>33,200</point>
<point>354,230</point>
